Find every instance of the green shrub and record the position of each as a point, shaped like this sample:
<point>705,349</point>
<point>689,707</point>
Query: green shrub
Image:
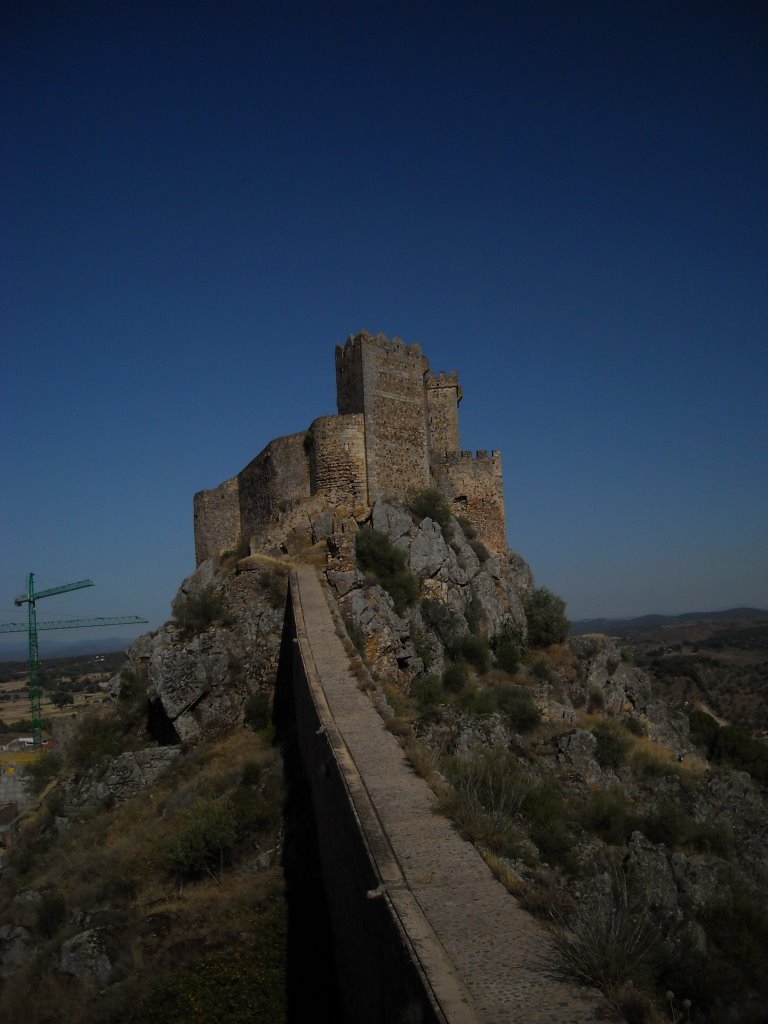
<point>257,713</point>
<point>542,669</point>
<point>507,647</point>
<point>355,634</point>
<point>488,791</point>
<point>517,703</point>
<point>545,612</point>
<point>455,677</point>
<point>431,503</point>
<point>274,582</point>
<point>596,699</point>
<point>94,738</point>
<point>474,651</point>
<point>251,774</point>
<point>609,815</point>
<point>377,554</point>
<point>427,691</point>
<point>204,841</point>
<point>42,771</point>
<point>635,726</point>
<point>611,748</point>
<point>423,648</point>
<point>476,700</point>
<point>196,612</point>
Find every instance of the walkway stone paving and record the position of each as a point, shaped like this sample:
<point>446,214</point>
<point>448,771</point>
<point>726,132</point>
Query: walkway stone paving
<point>499,951</point>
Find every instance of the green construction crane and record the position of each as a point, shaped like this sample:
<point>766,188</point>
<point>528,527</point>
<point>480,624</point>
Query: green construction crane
<point>33,626</point>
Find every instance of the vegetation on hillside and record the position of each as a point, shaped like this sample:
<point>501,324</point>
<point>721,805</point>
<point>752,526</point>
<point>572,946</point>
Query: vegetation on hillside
<point>181,883</point>
<point>563,848</point>
<point>378,556</point>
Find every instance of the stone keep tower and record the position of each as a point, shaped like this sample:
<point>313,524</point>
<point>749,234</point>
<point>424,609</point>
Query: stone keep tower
<point>384,380</point>
<point>397,430</point>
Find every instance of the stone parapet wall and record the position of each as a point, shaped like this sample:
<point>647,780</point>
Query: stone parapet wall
<point>474,487</point>
<point>217,519</point>
<point>337,459</point>
<point>277,476</point>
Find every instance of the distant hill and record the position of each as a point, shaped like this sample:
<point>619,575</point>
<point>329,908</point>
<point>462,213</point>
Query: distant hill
<point>650,623</point>
<point>17,650</point>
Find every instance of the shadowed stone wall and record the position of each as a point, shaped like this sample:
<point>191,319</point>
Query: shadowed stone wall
<point>277,476</point>
<point>443,396</point>
<point>217,519</point>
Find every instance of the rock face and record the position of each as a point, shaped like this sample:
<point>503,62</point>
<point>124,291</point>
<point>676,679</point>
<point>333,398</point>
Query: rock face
<point>84,956</point>
<point>124,777</point>
<point>622,689</point>
<point>456,587</point>
<point>201,670</point>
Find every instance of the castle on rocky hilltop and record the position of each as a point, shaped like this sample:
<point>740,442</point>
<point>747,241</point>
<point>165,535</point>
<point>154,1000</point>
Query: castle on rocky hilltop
<point>397,430</point>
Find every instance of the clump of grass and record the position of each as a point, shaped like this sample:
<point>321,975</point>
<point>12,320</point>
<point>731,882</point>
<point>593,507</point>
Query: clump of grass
<point>196,612</point>
<point>611,941</point>
<point>472,650</point>
<point>427,692</point>
<point>455,677</point>
<point>612,746</point>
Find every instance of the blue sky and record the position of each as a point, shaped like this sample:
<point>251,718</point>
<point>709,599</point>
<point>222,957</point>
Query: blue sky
<point>565,202</point>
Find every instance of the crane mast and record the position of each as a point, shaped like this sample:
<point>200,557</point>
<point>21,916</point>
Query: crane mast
<point>32,626</point>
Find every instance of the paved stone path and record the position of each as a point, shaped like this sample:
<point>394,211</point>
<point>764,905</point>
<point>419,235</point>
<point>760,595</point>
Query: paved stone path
<point>499,952</point>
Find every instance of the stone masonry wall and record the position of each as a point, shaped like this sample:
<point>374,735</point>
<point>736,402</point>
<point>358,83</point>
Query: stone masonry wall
<point>391,378</point>
<point>277,476</point>
<point>337,459</point>
<point>443,396</point>
<point>217,519</point>
<point>397,430</point>
<point>474,488</point>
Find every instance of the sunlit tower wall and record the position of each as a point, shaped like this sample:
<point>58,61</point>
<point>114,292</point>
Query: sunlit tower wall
<point>384,380</point>
<point>474,487</point>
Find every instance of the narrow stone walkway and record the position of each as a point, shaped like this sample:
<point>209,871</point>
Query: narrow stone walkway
<point>499,952</point>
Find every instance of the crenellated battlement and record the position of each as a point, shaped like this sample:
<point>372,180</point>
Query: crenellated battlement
<point>397,430</point>
<point>442,380</point>
<point>389,346</point>
<point>467,455</point>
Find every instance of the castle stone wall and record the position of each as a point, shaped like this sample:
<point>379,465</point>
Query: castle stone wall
<point>390,376</point>
<point>277,476</point>
<point>217,519</point>
<point>397,430</point>
<point>443,396</point>
<point>473,485</point>
<point>337,461</point>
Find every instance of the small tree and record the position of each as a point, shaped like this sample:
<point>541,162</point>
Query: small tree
<point>431,503</point>
<point>204,841</point>
<point>547,622</point>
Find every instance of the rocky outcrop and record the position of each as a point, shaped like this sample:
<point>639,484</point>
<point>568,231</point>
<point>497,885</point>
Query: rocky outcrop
<point>124,777</point>
<point>84,957</point>
<point>460,594</point>
<point>201,670</point>
<point>609,683</point>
